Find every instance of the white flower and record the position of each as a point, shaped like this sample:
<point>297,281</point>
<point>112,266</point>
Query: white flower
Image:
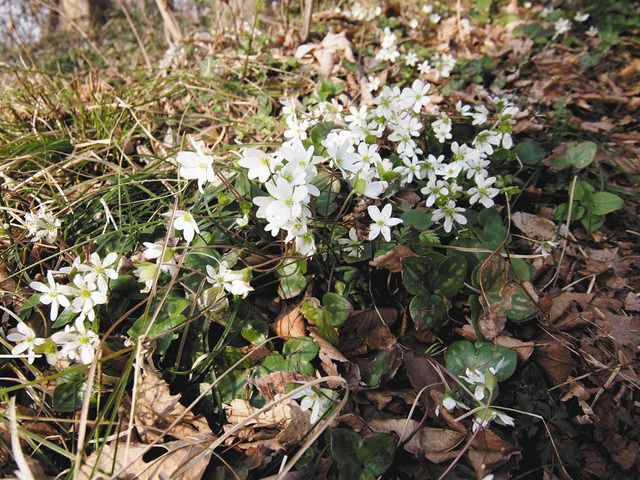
<point>296,129</point>
<point>77,342</point>
<point>413,24</point>
<point>53,294</point>
<point>463,109</point>
<point>434,18</point>
<point>284,204</point>
<point>562,25</point>
<point>26,340</point>
<point>581,17</point>
<point>86,296</point>
<point>352,246</point>
<point>427,8</point>
<point>42,225</point>
<point>167,263</point>
<point>410,58</point>
<point>312,399</point>
<point>196,165</point>
<point>424,67</point>
<point>483,192</point>
<point>484,417</point>
<point>434,189</point>
<point>382,221</point>
<point>546,11</point>
<point>146,274</point>
<point>480,115</point>
<point>451,214</point>
<point>374,83</point>
<point>449,403</point>
<point>485,141</point>
<point>416,97</point>
<point>592,31</point>
<point>226,278</point>
<point>242,221</point>
<point>259,164</point>
<point>100,270</point>
<point>546,247</point>
<point>184,222</point>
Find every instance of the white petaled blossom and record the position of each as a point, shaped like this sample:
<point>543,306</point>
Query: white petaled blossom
<point>450,213</point>
<point>259,165</point>
<point>449,403</point>
<point>232,282</point>
<point>562,25</point>
<point>100,271</point>
<point>483,192</point>
<point>53,294</point>
<point>374,83</point>
<point>352,246</point>
<point>382,222</point>
<point>315,400</point>
<point>184,222</point>
<point>546,247</point>
<point>42,225</point>
<point>424,67</point>
<point>485,416</point>
<point>87,295</point>
<point>410,59</point>
<point>196,165</point>
<point>592,31</point>
<point>26,340</point>
<point>167,263</point>
<point>77,343</point>
<point>475,377</point>
<point>581,17</point>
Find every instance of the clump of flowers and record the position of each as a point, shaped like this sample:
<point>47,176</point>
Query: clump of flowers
<point>42,225</point>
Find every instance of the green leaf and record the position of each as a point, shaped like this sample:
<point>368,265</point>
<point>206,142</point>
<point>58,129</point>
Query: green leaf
<point>480,356</point>
<point>292,279</point>
<point>418,219</point>
<point>376,454</point>
<point>427,311</point>
<point>255,329</point>
<point>522,308</point>
<point>303,347</point>
<point>415,274</point>
<point>605,202</point>
<point>336,308</point>
<point>362,459</point>
<point>530,152</point>
<point>450,276</point>
<point>578,155</point>
<point>311,310</point>
<point>67,396</point>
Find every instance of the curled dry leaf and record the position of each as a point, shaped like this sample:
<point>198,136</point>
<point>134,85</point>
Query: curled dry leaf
<point>156,409</point>
<point>290,323</point>
<point>392,260</point>
<point>114,457</point>
<point>367,330</point>
<point>554,357</point>
<point>275,383</point>
<point>425,441</point>
<point>328,53</point>
<point>239,410</point>
<point>488,452</point>
<point>533,226</point>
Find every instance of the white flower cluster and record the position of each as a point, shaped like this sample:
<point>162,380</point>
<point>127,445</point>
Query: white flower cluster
<point>87,289</point>
<point>42,225</point>
<point>360,12</point>
<point>389,47</point>
<point>354,153</point>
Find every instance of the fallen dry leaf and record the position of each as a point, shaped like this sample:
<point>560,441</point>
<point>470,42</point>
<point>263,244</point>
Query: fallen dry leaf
<point>554,357</point>
<point>534,226</point>
<point>392,260</point>
<point>101,464</point>
<point>290,323</point>
<point>275,383</point>
<point>239,410</point>
<point>156,409</point>
<point>425,441</point>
